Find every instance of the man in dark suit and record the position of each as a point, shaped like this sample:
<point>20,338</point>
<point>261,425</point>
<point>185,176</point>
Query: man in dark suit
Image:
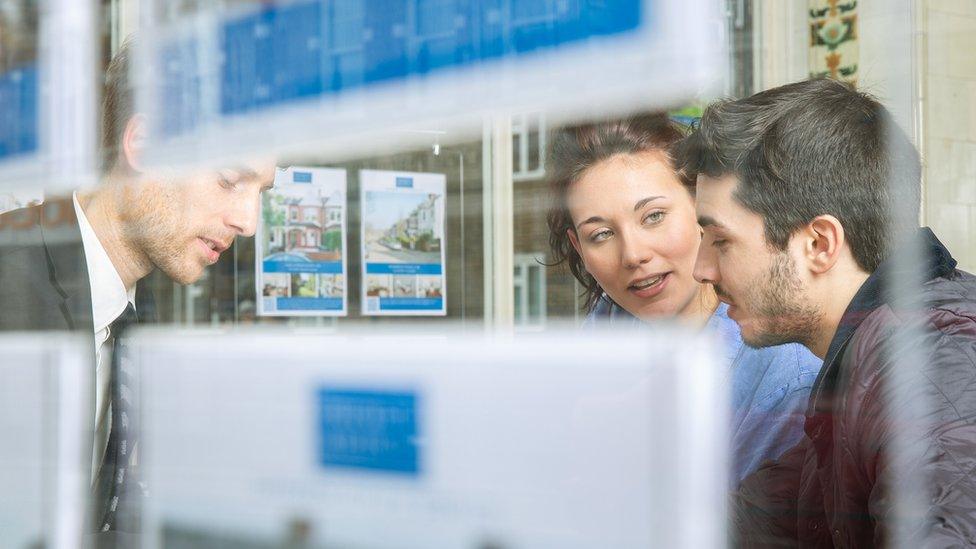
<point>75,263</point>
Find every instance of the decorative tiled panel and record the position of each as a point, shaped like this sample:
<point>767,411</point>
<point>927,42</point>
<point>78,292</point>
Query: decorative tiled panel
<point>834,39</point>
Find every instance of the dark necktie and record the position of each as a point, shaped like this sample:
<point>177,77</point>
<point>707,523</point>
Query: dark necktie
<point>114,479</point>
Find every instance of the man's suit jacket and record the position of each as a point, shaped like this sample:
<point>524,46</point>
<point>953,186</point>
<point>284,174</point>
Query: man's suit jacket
<point>44,286</point>
<point>43,274</point>
<point>44,283</point>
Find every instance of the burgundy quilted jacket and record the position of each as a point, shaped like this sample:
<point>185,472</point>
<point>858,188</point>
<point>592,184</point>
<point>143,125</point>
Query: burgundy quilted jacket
<point>874,434</point>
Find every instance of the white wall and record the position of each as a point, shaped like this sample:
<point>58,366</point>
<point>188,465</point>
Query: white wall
<point>949,122</point>
<point>781,45</point>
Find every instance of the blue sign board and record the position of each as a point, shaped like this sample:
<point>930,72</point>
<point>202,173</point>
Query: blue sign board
<point>320,48</point>
<point>370,430</point>
<point>18,112</point>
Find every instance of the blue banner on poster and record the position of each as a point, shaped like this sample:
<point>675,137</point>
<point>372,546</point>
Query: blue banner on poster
<point>318,267</point>
<point>308,304</point>
<point>404,268</point>
<point>411,303</point>
<point>372,430</point>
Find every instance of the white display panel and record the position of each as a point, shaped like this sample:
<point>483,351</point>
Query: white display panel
<point>613,440</point>
<point>45,425</point>
<point>315,75</point>
<point>300,249</point>
<point>47,95</point>
<point>404,249</point>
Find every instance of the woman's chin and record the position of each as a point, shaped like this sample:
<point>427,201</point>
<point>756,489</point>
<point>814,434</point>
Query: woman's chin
<point>654,312</point>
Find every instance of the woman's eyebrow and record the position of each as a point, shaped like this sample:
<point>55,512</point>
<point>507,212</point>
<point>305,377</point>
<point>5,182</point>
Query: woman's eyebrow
<point>594,219</point>
<point>643,202</point>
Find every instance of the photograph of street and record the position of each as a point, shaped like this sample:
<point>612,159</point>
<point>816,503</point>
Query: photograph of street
<point>403,227</point>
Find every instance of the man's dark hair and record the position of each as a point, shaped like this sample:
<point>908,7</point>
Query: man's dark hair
<point>117,104</point>
<point>574,150</point>
<point>812,148</point>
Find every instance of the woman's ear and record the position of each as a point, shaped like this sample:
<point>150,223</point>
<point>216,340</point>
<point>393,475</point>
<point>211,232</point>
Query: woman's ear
<point>574,240</point>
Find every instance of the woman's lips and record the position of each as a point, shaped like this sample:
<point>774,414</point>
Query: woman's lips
<point>653,290</point>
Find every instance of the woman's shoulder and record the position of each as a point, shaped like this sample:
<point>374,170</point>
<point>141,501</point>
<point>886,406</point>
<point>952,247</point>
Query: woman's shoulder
<point>605,313</point>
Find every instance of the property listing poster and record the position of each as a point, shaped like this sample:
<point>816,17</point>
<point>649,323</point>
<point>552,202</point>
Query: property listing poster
<point>403,243</point>
<point>301,244</point>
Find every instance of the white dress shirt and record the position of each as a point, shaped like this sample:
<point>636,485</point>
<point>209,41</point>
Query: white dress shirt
<point>109,298</point>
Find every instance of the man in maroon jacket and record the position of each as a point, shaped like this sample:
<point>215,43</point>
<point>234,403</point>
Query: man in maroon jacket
<point>808,196</point>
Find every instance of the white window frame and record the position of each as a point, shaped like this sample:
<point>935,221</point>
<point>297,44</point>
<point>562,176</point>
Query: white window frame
<point>521,280</point>
<point>522,126</point>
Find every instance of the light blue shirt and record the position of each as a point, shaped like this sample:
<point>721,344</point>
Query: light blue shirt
<point>770,388</point>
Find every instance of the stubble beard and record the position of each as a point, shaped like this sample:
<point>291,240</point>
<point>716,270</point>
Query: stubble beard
<point>781,311</point>
<point>155,228</point>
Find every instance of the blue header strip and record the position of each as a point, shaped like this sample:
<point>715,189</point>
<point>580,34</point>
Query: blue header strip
<point>301,177</point>
<point>319,267</point>
<point>404,268</point>
<point>308,304</point>
<point>411,303</point>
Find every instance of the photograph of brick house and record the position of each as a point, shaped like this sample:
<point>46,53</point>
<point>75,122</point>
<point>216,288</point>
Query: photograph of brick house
<point>310,226</point>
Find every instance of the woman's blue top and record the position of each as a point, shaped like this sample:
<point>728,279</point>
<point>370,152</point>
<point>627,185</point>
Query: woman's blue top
<point>770,388</point>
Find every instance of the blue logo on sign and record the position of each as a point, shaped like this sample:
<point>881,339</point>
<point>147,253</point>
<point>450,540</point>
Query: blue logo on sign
<point>372,430</point>
<point>406,182</point>
<point>302,177</point>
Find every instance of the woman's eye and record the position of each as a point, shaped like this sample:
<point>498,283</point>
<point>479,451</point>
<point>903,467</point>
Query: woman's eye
<point>600,236</point>
<point>719,243</point>
<point>653,218</point>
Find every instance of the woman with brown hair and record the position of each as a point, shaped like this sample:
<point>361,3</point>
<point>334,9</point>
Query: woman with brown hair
<point>623,219</point>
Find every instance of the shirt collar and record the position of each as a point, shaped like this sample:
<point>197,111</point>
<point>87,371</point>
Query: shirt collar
<point>108,293</point>
<point>937,262</point>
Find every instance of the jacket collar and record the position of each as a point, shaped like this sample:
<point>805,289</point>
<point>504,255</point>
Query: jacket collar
<point>937,262</point>
<point>67,268</point>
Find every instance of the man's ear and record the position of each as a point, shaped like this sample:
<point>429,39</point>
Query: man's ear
<point>823,242</point>
<point>574,240</point>
<point>133,143</point>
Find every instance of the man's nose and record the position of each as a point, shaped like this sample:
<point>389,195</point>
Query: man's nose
<point>705,270</point>
<point>243,216</point>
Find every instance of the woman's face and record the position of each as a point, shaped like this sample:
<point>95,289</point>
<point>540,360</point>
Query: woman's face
<point>637,233</point>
